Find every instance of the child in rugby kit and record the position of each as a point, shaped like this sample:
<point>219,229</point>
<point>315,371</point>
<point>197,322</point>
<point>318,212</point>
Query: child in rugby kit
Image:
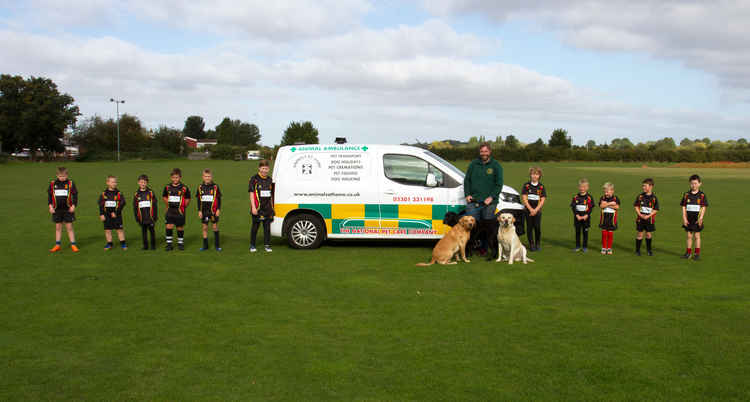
<point>62,199</point>
<point>111,203</point>
<point>533,195</point>
<point>145,211</point>
<point>694,203</point>
<point>176,196</point>
<point>610,205</point>
<point>646,207</point>
<point>582,205</point>
<point>261,205</point>
<point>209,208</point>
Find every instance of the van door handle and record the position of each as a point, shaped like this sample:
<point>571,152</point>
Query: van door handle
<point>389,192</point>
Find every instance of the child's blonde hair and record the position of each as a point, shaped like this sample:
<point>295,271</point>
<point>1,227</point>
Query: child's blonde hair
<point>608,186</point>
<point>535,169</point>
<point>111,177</point>
<point>583,181</point>
<point>207,171</point>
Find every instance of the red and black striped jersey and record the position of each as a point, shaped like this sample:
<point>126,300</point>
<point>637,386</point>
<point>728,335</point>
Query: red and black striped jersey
<point>145,206</point>
<point>177,196</point>
<point>582,204</point>
<point>262,193</point>
<point>534,192</point>
<point>609,214</point>
<point>62,194</point>
<point>209,197</point>
<point>111,201</point>
<point>693,202</point>
<point>646,203</point>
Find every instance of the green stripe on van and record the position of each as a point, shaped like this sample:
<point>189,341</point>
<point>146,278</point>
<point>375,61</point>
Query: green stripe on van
<point>389,211</point>
<point>323,209</point>
<point>414,224</point>
<point>372,211</point>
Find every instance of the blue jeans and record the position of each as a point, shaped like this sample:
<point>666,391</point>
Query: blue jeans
<point>480,211</point>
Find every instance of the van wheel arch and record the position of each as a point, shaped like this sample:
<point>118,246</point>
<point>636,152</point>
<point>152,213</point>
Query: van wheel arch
<point>312,216</point>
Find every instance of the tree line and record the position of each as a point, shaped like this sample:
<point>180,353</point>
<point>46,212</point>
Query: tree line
<point>560,147</point>
<point>35,115</point>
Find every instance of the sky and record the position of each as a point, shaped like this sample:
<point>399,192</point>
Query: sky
<point>383,71</point>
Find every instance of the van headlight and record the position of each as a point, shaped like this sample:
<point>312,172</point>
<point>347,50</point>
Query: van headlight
<point>512,198</point>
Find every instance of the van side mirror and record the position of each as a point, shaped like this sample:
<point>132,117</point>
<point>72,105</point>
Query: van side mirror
<point>431,181</point>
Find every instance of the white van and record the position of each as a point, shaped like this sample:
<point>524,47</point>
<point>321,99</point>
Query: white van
<point>347,191</point>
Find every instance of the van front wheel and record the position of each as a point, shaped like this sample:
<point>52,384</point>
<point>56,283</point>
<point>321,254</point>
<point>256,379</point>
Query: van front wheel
<point>305,232</point>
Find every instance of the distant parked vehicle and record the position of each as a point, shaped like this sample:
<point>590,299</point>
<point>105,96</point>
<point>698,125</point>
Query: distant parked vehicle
<point>253,155</point>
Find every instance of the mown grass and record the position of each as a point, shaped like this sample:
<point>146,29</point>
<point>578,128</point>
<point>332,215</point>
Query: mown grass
<point>357,321</point>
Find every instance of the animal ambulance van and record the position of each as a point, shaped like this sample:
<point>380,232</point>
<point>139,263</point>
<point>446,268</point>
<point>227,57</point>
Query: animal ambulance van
<point>347,191</point>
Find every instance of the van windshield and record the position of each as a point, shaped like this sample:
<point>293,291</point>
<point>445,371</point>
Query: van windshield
<point>446,164</point>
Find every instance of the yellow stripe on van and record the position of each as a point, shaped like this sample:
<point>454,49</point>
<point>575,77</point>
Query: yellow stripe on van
<point>281,210</point>
<point>411,211</point>
<point>344,211</point>
<point>372,223</point>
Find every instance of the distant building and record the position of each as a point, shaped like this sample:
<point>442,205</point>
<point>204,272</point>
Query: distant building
<point>193,143</point>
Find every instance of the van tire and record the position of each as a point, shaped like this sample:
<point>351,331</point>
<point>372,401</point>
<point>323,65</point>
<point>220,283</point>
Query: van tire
<point>305,231</point>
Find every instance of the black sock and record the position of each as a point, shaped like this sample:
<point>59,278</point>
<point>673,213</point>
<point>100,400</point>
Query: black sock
<point>585,238</point>
<point>254,233</point>
<point>205,242</point>
<point>144,235</point>
<point>216,239</point>
<point>109,243</point>
<point>578,236</point>
<point>648,244</point>
<point>180,236</point>
<point>538,236</point>
<point>153,236</point>
<point>638,244</point>
<point>169,236</point>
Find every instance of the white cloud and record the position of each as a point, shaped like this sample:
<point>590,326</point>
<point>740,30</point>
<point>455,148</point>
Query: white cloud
<point>713,36</point>
<point>279,19</point>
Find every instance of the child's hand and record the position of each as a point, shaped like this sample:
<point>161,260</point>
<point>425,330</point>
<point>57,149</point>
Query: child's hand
<point>585,217</point>
<point>684,221</point>
<point>200,214</point>
<point>72,208</point>
<point>700,221</point>
<point>112,214</point>
<point>218,212</point>
<point>51,210</point>
<point>102,218</point>
<point>254,211</point>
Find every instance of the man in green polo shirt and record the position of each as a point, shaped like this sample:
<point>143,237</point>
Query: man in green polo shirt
<point>482,186</point>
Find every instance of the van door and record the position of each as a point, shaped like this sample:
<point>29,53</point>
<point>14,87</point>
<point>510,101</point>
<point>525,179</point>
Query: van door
<point>410,188</point>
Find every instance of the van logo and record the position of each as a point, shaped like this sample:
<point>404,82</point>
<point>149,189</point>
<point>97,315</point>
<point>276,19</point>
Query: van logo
<point>307,168</point>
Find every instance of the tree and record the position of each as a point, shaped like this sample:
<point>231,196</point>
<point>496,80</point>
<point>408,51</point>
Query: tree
<point>499,140</point>
<point>537,145</point>
<point>34,114</point>
<point>686,142</point>
<point>560,139</point>
<point>169,139</point>
<point>97,135</point>
<point>621,143</point>
<point>512,142</point>
<point>665,144</point>
<point>590,144</point>
<point>235,132</point>
<point>194,127</point>
<point>303,132</point>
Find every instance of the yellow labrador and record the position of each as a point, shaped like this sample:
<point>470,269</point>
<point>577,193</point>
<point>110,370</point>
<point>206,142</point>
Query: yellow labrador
<point>509,246</point>
<point>453,243</point>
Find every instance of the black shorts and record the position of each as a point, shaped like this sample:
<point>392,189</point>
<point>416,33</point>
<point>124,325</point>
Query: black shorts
<point>63,215</point>
<point>261,218</point>
<point>644,226</point>
<point>209,219</point>
<point>584,224</point>
<point>111,223</point>
<point>693,227</point>
<point>176,219</point>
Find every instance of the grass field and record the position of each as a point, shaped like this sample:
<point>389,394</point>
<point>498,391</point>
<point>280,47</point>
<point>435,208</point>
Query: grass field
<point>355,321</point>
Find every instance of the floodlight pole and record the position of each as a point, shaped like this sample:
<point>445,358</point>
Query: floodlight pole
<point>117,107</point>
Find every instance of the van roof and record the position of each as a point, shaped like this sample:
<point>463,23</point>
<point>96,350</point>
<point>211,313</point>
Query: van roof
<point>350,147</point>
